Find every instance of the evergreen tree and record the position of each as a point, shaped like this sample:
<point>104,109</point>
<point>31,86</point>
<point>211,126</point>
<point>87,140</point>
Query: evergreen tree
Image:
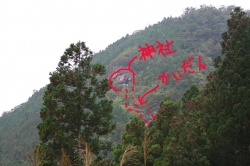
<point>186,141</point>
<point>192,92</point>
<point>159,131</point>
<point>75,111</point>
<point>133,136</point>
<point>228,95</point>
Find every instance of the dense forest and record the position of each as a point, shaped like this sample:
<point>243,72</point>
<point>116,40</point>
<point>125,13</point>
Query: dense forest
<point>202,119</point>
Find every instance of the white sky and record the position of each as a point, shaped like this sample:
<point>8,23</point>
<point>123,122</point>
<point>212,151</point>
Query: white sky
<point>35,33</point>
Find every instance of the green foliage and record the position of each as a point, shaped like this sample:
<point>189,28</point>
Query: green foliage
<point>75,107</point>
<point>191,93</point>
<point>209,128</point>
<point>197,31</point>
<point>174,138</point>
<point>213,128</point>
<point>187,141</point>
<point>133,135</point>
<point>227,95</point>
<point>18,133</point>
<point>159,131</point>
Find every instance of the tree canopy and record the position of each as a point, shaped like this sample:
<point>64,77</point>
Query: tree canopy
<point>75,111</point>
<point>206,123</point>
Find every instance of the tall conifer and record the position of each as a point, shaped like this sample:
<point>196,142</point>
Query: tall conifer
<point>229,103</point>
<point>75,108</point>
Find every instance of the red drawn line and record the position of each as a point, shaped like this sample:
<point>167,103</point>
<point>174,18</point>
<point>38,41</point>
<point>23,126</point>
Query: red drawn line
<point>150,91</point>
<point>147,122</point>
<point>117,71</point>
<point>154,116</point>
<point>131,60</point>
<point>126,95</point>
<point>179,73</point>
<point>164,49</point>
<point>200,65</point>
<point>140,99</point>
<point>137,111</point>
<point>136,105</point>
<point>129,109</point>
<point>126,105</point>
<point>123,69</point>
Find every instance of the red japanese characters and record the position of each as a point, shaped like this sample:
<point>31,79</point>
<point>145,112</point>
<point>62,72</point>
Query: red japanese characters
<point>147,54</point>
<point>186,66</point>
<point>164,50</point>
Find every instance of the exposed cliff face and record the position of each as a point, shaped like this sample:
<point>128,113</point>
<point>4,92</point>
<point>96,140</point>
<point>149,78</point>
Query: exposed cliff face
<point>122,78</point>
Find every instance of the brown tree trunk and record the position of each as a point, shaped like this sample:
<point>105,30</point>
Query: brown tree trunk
<point>87,157</point>
<point>79,146</point>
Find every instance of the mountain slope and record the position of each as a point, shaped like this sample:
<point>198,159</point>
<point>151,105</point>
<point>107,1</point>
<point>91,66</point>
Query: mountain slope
<point>197,31</point>
<point>18,130</point>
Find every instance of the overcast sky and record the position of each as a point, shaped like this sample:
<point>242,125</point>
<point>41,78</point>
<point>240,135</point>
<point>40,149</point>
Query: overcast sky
<point>35,33</point>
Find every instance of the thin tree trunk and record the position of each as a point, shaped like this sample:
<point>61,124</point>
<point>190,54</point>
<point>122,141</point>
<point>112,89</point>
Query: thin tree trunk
<point>79,145</point>
<point>87,157</point>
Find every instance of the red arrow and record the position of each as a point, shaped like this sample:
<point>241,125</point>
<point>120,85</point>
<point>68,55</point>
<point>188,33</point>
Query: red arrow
<point>154,116</point>
<point>137,111</point>
<point>145,94</point>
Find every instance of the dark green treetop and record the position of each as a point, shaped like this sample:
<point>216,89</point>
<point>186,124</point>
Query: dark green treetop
<point>192,92</point>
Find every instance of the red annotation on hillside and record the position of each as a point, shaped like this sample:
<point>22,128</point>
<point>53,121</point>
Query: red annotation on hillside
<point>146,53</point>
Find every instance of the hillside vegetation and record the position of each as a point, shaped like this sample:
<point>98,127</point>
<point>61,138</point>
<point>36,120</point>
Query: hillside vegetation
<point>195,32</point>
<point>18,130</point>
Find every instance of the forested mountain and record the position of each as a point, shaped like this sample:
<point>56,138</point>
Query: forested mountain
<point>18,130</point>
<point>196,32</point>
<point>210,126</point>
